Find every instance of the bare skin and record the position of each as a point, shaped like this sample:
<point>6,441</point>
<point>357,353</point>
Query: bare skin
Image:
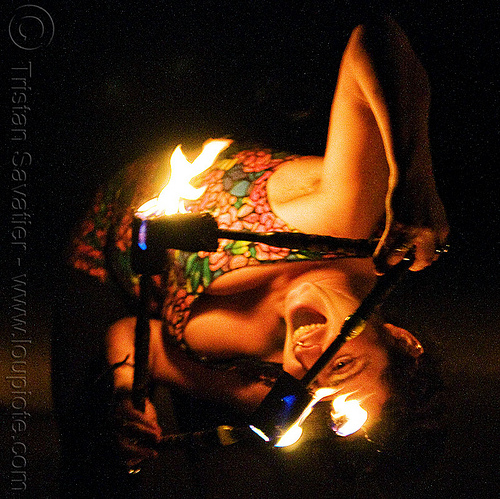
<point>377,162</point>
<point>376,172</point>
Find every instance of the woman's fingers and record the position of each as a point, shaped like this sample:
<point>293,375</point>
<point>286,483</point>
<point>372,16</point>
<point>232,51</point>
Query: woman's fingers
<point>427,244</point>
<point>133,451</point>
<point>137,432</point>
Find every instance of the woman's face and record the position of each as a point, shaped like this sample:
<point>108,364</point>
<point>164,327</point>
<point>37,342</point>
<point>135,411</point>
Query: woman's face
<point>296,311</point>
<point>314,313</point>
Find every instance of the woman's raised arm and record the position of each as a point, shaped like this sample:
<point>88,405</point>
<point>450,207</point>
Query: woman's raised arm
<point>383,81</point>
<point>377,167</point>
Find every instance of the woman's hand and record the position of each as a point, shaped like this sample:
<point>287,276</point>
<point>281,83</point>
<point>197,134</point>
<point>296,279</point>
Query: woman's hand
<point>137,433</point>
<point>415,219</point>
<point>392,81</point>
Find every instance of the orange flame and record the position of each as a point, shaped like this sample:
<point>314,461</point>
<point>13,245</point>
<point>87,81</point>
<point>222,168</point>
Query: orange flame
<point>178,188</point>
<point>295,431</point>
<point>347,415</point>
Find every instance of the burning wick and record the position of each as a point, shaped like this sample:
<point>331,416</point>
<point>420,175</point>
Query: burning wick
<point>169,201</point>
<point>347,416</point>
<point>178,188</point>
<point>295,431</point>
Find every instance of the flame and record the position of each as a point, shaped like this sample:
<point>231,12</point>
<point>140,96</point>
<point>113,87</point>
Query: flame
<point>347,416</point>
<point>295,431</point>
<point>291,436</point>
<point>178,188</point>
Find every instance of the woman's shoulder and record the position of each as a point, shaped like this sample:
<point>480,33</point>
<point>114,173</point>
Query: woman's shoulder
<point>298,177</point>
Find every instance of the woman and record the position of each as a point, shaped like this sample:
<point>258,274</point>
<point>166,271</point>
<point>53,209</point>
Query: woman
<point>375,178</point>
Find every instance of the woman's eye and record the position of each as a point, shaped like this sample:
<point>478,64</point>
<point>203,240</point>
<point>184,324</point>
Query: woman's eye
<point>342,364</point>
<point>342,369</point>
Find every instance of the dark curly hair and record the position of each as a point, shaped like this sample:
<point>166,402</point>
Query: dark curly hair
<point>412,429</point>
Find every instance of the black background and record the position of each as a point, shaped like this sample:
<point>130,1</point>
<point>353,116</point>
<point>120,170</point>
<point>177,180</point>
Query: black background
<point>121,80</point>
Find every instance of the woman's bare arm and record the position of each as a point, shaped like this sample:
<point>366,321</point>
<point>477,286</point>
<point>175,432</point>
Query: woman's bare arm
<point>377,163</point>
<point>173,367</point>
<point>138,432</point>
<point>395,86</point>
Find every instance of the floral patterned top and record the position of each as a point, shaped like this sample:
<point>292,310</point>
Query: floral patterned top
<point>235,195</point>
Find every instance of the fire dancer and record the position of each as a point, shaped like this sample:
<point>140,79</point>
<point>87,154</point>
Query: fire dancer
<point>228,320</point>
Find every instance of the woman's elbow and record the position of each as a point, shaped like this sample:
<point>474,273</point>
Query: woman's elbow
<point>381,52</point>
<point>120,340</point>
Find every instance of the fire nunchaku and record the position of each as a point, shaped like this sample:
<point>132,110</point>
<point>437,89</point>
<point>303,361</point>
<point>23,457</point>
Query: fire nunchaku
<point>289,396</point>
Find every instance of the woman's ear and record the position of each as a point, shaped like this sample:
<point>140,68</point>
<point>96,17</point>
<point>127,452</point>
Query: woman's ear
<point>405,340</point>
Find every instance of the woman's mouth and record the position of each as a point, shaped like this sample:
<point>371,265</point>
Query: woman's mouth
<point>308,325</point>
<point>307,334</point>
